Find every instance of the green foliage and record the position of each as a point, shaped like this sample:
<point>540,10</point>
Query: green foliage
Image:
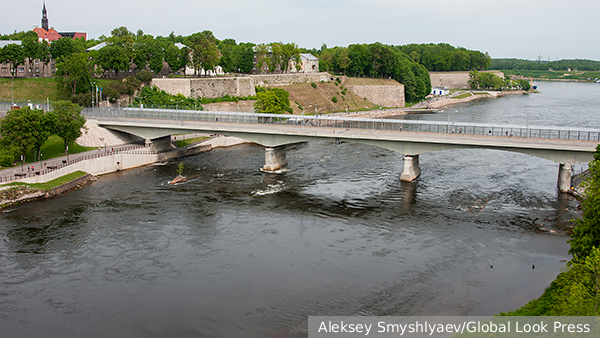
<point>586,233</point>
<point>378,60</point>
<point>444,57</point>
<point>26,129</point>
<point>519,64</point>
<point>13,54</point>
<point>180,168</point>
<point>314,85</point>
<point>483,80</point>
<point>113,57</point>
<point>524,84</point>
<point>152,96</point>
<point>144,76</point>
<point>73,73</point>
<point>69,121</point>
<point>334,99</point>
<point>7,154</point>
<point>576,290</point>
<point>273,101</point>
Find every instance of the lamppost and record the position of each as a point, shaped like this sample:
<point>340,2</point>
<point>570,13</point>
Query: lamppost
<point>93,85</point>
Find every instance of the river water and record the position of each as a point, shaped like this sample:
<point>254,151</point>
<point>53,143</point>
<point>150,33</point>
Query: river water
<point>236,252</point>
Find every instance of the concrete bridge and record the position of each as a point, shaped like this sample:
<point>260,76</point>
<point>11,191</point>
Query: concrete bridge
<point>565,146</point>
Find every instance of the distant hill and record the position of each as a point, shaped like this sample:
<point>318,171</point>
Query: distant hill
<point>560,65</point>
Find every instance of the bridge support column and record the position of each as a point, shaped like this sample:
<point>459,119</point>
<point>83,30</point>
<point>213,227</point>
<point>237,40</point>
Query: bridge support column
<point>159,144</point>
<point>275,158</point>
<point>564,177</point>
<point>411,168</point>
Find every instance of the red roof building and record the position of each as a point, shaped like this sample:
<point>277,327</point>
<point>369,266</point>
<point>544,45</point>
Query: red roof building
<point>50,34</point>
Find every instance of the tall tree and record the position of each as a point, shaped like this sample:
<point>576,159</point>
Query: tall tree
<point>73,73</point>
<point>32,48</point>
<point>68,121</point>
<point>25,129</point>
<point>15,55</point>
<point>113,57</point>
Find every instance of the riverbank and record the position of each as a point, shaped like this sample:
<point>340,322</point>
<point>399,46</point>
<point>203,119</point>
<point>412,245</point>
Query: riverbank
<point>37,186</point>
<point>16,193</point>
<point>443,102</point>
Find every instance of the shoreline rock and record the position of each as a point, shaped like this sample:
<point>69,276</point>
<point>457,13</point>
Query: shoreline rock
<point>14,195</point>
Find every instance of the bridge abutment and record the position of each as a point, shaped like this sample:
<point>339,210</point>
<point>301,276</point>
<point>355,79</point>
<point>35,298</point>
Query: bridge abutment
<point>275,158</point>
<point>564,177</point>
<point>159,144</point>
<point>411,168</point>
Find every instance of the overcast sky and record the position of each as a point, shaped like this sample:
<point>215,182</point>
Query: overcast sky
<point>522,29</point>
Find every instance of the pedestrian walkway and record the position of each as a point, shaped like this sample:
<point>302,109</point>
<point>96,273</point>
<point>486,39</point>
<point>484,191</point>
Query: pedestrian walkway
<point>10,174</point>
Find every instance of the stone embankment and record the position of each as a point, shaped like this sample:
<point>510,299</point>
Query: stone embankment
<point>446,101</point>
<point>102,163</point>
<point>11,195</point>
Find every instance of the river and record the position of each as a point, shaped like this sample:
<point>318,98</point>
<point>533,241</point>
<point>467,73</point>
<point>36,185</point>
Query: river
<point>236,252</point>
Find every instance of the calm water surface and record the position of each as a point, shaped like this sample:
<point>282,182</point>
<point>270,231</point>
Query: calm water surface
<point>239,252</point>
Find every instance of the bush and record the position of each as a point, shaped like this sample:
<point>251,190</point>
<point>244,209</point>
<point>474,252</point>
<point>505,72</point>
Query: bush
<point>334,99</point>
<point>144,76</point>
<point>314,85</point>
<point>82,99</point>
<point>7,156</point>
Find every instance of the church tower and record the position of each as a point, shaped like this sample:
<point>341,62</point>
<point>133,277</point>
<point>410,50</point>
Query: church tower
<point>44,17</point>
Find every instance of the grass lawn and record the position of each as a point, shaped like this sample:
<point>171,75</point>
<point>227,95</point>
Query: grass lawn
<point>461,96</point>
<point>183,143</point>
<point>53,148</point>
<point>51,184</point>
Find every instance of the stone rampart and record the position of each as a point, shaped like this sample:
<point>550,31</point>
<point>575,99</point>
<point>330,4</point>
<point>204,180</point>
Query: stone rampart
<point>266,80</point>
<point>383,95</point>
<point>221,86</point>
<point>454,80</point>
<point>173,86</point>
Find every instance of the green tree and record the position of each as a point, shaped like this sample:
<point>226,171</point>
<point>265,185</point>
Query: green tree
<point>15,55</point>
<point>272,101</point>
<point>24,129</point>
<point>64,47</point>
<point>32,48</point>
<point>68,121</point>
<point>73,73</point>
<point>586,233</point>
<point>113,57</point>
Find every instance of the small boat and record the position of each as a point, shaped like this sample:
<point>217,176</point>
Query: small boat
<point>178,179</point>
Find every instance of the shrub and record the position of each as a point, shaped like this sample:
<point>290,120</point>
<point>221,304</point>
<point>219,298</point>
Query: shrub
<point>334,99</point>
<point>82,99</point>
<point>314,85</point>
<point>144,76</point>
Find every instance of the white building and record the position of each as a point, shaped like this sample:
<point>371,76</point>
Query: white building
<point>439,91</point>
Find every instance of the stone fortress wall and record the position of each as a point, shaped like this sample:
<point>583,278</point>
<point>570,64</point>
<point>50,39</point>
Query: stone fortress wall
<point>454,80</point>
<point>241,86</point>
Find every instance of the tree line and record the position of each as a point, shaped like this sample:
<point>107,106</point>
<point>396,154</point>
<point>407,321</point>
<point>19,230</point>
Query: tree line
<point>28,129</point>
<point>519,64</point>
<point>202,51</point>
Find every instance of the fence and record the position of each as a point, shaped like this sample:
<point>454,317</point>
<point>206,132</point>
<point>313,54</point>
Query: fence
<point>392,125</point>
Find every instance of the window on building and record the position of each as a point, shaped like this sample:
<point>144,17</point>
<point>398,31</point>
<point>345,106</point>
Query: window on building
<point>37,70</point>
<point>4,70</point>
<point>21,69</point>
<point>37,62</point>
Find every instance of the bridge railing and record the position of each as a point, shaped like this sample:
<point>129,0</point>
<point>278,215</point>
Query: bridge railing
<point>183,117</point>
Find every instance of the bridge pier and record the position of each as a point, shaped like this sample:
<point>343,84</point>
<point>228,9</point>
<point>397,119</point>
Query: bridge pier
<point>411,168</point>
<point>564,177</point>
<point>275,158</point>
<point>159,144</point>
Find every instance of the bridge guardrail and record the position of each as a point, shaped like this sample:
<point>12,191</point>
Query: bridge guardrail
<point>481,129</point>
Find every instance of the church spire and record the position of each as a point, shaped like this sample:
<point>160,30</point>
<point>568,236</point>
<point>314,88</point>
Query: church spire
<point>44,17</point>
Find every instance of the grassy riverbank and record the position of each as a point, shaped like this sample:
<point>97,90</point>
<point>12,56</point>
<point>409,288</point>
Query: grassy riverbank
<point>51,149</point>
<point>51,184</point>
